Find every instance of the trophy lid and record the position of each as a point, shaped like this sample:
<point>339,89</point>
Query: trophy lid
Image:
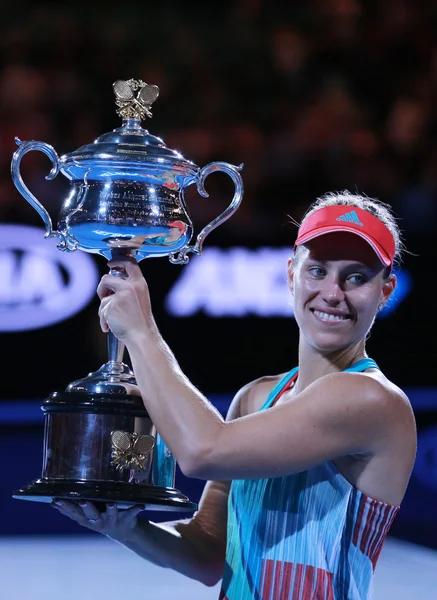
<point>129,145</point>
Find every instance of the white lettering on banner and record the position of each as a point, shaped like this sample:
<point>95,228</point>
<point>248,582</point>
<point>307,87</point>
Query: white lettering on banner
<point>39,284</point>
<point>235,282</point>
<point>239,282</point>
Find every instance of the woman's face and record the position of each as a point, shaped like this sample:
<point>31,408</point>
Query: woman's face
<point>338,283</point>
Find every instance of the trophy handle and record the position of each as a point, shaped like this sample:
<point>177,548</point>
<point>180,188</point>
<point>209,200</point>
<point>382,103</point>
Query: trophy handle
<point>23,148</point>
<point>233,172</point>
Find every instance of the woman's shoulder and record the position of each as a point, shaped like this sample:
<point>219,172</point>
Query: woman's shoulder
<point>384,383</point>
<point>394,392</point>
<point>368,385</point>
<point>255,393</point>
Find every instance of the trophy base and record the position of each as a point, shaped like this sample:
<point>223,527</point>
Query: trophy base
<point>124,495</point>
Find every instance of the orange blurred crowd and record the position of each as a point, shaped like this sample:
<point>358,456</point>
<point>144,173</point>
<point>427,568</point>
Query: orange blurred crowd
<point>311,96</point>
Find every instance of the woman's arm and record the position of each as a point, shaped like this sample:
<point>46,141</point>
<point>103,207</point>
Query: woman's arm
<point>194,547</point>
<point>337,415</point>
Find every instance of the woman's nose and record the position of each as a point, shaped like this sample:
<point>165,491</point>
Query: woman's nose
<point>332,292</point>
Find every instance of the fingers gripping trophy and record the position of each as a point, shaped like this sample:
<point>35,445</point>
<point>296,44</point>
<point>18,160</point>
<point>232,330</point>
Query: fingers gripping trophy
<point>126,199</point>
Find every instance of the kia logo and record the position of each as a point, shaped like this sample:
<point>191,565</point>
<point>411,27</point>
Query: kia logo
<point>39,284</point>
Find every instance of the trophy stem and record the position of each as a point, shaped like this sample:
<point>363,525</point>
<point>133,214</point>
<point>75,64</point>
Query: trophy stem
<point>114,377</point>
<point>115,349</point>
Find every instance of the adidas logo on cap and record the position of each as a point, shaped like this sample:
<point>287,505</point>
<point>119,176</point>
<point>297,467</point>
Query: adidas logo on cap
<point>350,217</point>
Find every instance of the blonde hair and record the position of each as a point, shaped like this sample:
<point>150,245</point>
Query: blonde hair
<point>375,207</point>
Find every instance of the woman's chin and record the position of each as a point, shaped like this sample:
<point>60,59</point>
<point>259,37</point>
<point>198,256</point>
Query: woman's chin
<point>329,343</point>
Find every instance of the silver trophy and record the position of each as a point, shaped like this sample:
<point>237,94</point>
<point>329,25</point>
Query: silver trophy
<point>126,198</point>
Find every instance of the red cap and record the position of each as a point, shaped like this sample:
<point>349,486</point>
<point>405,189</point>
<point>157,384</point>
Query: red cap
<point>330,219</point>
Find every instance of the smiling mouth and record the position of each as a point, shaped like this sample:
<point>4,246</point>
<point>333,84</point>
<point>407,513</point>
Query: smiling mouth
<point>326,317</point>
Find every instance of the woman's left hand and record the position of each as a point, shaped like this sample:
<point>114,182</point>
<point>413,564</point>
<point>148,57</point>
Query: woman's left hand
<point>125,306</point>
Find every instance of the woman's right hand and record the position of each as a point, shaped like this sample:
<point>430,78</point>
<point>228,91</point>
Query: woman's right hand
<point>114,523</point>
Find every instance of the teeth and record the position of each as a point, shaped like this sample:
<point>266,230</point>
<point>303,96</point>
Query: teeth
<point>326,317</point>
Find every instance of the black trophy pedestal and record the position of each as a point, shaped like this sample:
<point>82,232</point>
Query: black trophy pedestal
<point>104,448</point>
<point>124,495</point>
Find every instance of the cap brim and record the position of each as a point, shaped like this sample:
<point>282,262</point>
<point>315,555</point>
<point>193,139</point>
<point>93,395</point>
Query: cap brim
<point>382,255</point>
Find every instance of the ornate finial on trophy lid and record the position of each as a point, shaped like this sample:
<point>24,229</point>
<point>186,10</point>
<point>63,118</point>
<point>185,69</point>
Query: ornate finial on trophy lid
<point>134,98</point>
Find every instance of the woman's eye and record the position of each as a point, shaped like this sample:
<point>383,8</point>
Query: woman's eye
<point>357,278</point>
<point>317,271</point>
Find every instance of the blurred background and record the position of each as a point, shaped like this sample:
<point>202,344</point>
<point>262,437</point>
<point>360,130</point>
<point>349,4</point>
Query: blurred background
<point>312,96</point>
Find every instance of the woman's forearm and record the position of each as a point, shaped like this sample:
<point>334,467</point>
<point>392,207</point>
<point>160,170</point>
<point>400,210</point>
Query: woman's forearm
<point>164,544</point>
<point>188,423</point>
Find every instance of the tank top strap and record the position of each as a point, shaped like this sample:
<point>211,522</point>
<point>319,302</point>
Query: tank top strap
<point>362,365</point>
<point>358,367</point>
<point>279,387</point>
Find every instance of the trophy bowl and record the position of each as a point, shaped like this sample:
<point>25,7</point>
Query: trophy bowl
<point>126,198</point>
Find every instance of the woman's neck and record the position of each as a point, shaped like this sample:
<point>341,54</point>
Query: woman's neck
<point>313,364</point>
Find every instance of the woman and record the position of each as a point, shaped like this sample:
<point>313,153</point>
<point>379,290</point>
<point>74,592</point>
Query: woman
<point>319,458</point>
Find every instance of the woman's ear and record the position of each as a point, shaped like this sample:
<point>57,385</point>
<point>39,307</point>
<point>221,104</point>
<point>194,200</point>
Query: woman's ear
<point>388,288</point>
